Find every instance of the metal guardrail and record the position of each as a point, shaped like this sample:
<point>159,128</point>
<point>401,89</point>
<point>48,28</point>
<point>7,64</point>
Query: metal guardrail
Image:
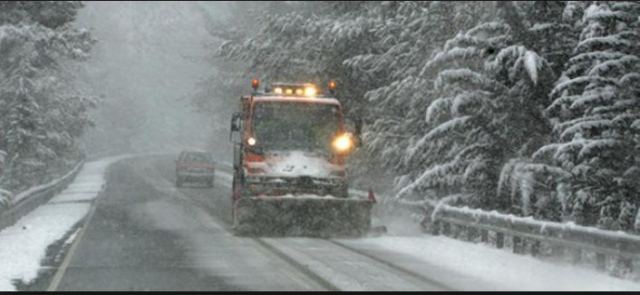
<point>472,224</point>
<point>36,198</point>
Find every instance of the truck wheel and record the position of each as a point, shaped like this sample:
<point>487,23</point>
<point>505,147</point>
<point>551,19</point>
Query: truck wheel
<point>179,182</point>
<point>210,182</point>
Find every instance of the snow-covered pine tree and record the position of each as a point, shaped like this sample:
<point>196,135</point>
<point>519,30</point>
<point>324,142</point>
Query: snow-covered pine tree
<point>20,109</point>
<point>489,93</point>
<point>400,47</point>
<point>66,116</point>
<point>400,95</point>
<point>51,14</point>
<point>596,111</point>
<point>551,32</point>
<point>39,114</point>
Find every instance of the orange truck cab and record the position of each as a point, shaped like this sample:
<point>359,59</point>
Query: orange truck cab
<point>290,140</point>
<point>289,177</point>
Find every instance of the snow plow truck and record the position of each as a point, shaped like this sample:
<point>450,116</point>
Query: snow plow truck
<point>289,176</point>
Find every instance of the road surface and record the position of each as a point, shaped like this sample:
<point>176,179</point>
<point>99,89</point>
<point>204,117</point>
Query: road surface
<point>145,234</point>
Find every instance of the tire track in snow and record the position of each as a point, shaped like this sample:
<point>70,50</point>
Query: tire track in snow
<point>291,261</point>
<point>346,269</point>
<point>394,266</point>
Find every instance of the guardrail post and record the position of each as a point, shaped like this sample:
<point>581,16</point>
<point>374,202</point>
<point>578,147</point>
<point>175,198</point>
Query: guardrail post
<point>517,245</point>
<point>426,224</point>
<point>624,266</point>
<point>576,256</point>
<point>628,264</point>
<point>484,235</point>
<point>601,261</point>
<point>452,230</point>
<point>455,231</point>
<point>435,228</point>
<point>557,251</point>
<point>471,233</point>
<point>446,228</point>
<point>535,248</point>
<point>499,240</point>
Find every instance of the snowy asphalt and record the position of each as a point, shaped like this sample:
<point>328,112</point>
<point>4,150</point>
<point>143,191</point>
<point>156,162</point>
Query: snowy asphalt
<point>145,234</point>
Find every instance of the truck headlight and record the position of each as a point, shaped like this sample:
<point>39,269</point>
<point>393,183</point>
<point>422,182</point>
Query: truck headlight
<point>342,143</point>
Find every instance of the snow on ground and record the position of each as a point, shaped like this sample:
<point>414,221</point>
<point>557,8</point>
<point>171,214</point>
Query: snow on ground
<point>496,269</point>
<point>23,245</point>
<point>499,268</point>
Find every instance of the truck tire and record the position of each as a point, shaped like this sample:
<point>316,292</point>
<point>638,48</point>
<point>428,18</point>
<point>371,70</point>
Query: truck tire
<point>178,182</point>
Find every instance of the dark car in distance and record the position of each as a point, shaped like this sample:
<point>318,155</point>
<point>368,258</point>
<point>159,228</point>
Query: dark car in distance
<point>194,166</point>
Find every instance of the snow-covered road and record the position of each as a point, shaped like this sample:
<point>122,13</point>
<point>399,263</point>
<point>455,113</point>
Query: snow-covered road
<point>23,245</point>
<point>145,234</point>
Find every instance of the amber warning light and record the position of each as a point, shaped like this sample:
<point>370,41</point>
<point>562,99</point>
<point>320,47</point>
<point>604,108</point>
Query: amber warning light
<point>308,90</point>
<point>255,83</point>
<point>332,85</point>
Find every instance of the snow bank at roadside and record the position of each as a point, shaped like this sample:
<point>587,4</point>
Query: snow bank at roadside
<point>23,245</point>
<point>499,268</point>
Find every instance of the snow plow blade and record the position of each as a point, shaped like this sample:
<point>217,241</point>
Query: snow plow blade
<point>302,216</point>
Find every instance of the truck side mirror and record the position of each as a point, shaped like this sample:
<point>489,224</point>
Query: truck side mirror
<point>235,125</point>
<point>235,122</point>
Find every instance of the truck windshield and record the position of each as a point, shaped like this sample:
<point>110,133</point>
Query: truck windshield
<point>295,125</point>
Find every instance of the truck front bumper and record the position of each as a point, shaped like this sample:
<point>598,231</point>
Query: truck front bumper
<point>276,186</point>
